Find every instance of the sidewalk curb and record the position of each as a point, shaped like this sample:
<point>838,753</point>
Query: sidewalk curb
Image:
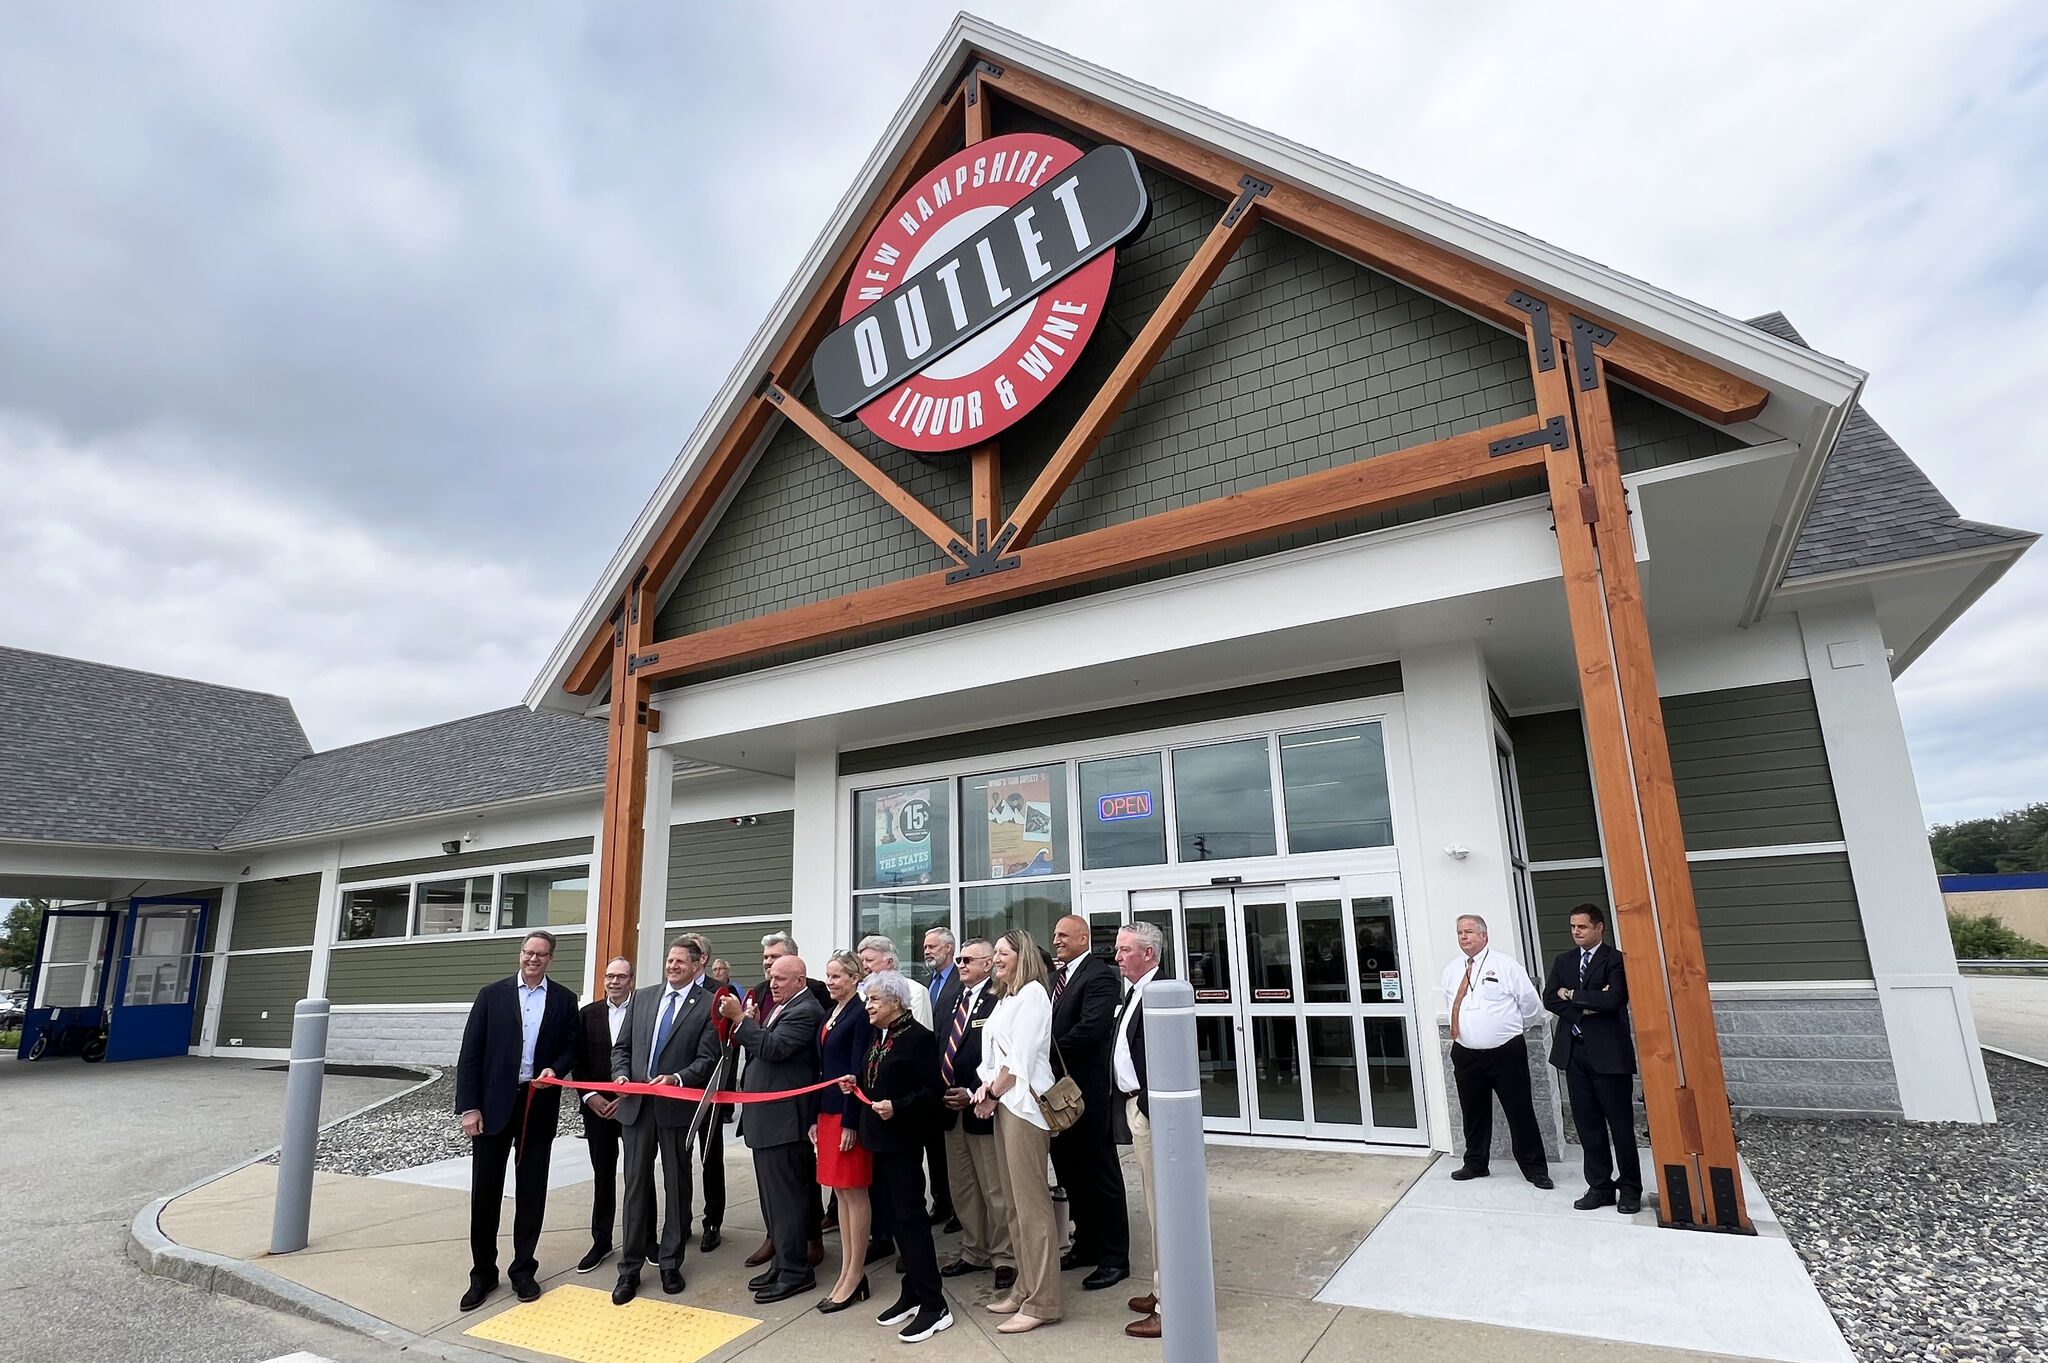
<point>155,1253</point>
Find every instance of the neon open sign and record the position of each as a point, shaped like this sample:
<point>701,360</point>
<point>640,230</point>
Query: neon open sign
<point>1133,804</point>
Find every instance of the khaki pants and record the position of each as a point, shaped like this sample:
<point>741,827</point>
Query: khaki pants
<point>971,1168</point>
<point>1022,1150</point>
<point>1141,1146</point>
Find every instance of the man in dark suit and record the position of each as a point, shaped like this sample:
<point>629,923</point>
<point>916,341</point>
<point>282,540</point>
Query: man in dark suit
<point>943,989</point>
<point>1085,995</point>
<point>520,1029</point>
<point>598,1026</point>
<point>711,1131</point>
<point>1138,947</point>
<point>781,1042</point>
<point>661,1043</point>
<point>972,1165</point>
<point>774,947</point>
<point>1588,990</point>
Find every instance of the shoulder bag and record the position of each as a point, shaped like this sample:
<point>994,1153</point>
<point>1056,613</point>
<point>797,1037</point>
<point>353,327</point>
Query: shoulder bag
<point>1061,1104</point>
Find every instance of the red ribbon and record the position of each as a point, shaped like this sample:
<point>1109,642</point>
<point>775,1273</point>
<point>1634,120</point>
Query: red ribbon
<point>695,1095</point>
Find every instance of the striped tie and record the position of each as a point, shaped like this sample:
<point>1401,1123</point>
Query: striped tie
<point>953,1035</point>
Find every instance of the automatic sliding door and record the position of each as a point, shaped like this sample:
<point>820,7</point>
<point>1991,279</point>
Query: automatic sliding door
<point>1209,964</point>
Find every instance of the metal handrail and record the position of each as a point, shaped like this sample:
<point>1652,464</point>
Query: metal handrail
<point>2003,963</point>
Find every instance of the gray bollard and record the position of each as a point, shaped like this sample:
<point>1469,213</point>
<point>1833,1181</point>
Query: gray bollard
<point>290,1222</point>
<point>1187,1266</point>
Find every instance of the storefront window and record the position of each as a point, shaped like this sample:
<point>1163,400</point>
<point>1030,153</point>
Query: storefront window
<point>992,910</point>
<point>369,914</point>
<point>460,905</point>
<point>1335,787</point>
<point>901,837</point>
<point>904,919</point>
<point>1014,823</point>
<point>1123,811</point>
<point>1223,801</point>
<point>541,899</point>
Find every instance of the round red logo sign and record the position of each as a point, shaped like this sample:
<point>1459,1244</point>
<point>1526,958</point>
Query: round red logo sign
<point>979,290</point>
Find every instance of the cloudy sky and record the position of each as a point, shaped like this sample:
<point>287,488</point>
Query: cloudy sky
<point>339,343</point>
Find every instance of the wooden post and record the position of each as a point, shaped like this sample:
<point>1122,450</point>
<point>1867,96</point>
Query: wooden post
<point>625,780</point>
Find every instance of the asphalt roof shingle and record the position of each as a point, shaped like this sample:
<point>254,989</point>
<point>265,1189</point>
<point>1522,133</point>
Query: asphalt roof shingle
<point>91,753</point>
<point>1875,505</point>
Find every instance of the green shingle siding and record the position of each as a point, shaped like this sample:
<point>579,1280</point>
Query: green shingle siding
<point>255,985</point>
<point>1649,435</point>
<point>439,972</point>
<point>275,913</point>
<point>566,849</point>
<point>724,870</point>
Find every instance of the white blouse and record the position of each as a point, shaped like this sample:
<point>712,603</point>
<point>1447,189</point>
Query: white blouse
<point>1018,1037</point>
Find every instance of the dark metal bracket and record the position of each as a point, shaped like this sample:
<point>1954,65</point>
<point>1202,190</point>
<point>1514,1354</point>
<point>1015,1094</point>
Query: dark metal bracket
<point>1249,187</point>
<point>1677,1195</point>
<point>1539,313</point>
<point>636,661</point>
<point>1586,336</point>
<point>984,559</point>
<point>974,75</point>
<point>1551,433</point>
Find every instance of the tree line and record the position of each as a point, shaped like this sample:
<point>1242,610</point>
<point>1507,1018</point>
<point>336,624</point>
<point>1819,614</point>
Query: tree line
<point>2011,843</point>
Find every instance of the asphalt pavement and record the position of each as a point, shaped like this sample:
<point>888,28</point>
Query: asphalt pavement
<point>82,1149</point>
<point>2012,1013</point>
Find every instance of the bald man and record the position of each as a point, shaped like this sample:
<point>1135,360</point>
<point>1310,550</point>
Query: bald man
<point>781,1038</point>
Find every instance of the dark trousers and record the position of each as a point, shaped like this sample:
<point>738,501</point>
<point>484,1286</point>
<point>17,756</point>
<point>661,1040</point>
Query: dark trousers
<point>787,1177</point>
<point>939,1176</point>
<point>899,1186</point>
<point>1604,1110</point>
<point>644,1140</point>
<point>488,1154</point>
<point>602,1134</point>
<point>1503,1073</point>
<point>1084,1157</point>
<point>711,1146</point>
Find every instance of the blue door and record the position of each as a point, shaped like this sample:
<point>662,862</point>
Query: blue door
<point>158,979</point>
<point>68,982</point>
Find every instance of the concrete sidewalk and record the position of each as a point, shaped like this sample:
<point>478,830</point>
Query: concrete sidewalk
<point>390,1256</point>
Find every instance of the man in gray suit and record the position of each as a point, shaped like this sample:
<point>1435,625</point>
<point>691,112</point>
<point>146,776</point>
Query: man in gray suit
<point>665,1039</point>
<point>781,1037</point>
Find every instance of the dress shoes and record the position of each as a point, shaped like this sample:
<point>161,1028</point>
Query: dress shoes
<point>960,1268</point>
<point>1006,1278</point>
<point>761,1255</point>
<point>1595,1198</point>
<point>1020,1324</point>
<point>901,1313</point>
<point>672,1281</point>
<point>598,1254</point>
<point>1148,1328</point>
<point>1465,1171</point>
<point>624,1290</point>
<point>1145,1305</point>
<point>1628,1204</point>
<point>761,1280</point>
<point>814,1253</point>
<point>1071,1261</point>
<point>1003,1305</point>
<point>1105,1276</point>
<point>879,1249</point>
<point>781,1291</point>
<point>830,1305</point>
<point>712,1240</point>
<point>1542,1181</point>
<point>524,1287</point>
<point>477,1292</point>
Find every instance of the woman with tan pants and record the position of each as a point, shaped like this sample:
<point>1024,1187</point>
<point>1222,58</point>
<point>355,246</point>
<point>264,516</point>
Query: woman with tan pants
<point>1016,1066</point>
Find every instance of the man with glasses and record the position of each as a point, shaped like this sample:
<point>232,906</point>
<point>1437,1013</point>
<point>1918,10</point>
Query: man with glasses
<point>520,1029</point>
<point>597,1031</point>
<point>970,1141</point>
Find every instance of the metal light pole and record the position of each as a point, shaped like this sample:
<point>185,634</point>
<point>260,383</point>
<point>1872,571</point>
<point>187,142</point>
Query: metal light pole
<point>290,1221</point>
<point>1187,1266</point>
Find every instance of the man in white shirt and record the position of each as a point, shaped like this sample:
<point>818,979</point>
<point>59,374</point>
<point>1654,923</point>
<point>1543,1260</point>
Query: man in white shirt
<point>1492,1003</point>
<point>1137,959</point>
<point>597,1031</point>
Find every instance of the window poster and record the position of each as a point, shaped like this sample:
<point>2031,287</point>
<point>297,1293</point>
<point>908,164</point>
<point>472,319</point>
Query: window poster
<point>1020,825</point>
<point>903,836</point>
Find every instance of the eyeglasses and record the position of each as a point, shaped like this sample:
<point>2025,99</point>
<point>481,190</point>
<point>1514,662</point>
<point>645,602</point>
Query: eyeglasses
<point>537,956</point>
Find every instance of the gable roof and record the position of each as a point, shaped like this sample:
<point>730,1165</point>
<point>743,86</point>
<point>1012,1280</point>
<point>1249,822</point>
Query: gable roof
<point>112,756</point>
<point>1808,392</point>
<point>1874,505</point>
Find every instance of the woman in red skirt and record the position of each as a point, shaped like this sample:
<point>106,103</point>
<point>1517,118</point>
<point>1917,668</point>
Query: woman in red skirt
<point>843,1163</point>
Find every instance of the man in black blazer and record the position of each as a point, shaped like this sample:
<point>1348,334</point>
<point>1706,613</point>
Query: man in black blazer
<point>601,1023</point>
<point>520,1029</point>
<point>973,1170</point>
<point>943,989</point>
<point>774,947</point>
<point>1085,995</point>
<point>1588,990</point>
<point>781,1041</point>
<point>663,1042</point>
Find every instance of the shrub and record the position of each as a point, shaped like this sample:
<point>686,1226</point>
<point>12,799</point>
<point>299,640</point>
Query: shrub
<point>1980,937</point>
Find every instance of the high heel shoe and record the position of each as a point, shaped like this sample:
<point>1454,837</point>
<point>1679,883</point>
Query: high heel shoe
<point>831,1304</point>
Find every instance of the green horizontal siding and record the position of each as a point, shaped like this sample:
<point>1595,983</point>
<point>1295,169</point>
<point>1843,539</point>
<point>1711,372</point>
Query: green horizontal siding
<point>723,870</point>
<point>1557,788</point>
<point>199,998</point>
<point>1293,693</point>
<point>1761,919</point>
<point>566,849</point>
<point>256,985</point>
<point>439,972</point>
<point>739,945</point>
<point>275,913</point>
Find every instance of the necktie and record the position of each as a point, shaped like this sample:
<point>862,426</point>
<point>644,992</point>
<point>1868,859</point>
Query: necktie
<point>1464,985</point>
<point>661,1029</point>
<point>1059,982</point>
<point>953,1035</point>
<point>1585,959</point>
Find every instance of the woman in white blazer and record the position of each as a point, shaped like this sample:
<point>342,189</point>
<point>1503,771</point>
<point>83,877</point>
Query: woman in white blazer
<point>1016,1066</point>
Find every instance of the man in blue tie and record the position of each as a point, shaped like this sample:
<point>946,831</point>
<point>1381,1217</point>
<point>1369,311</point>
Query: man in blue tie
<point>944,989</point>
<point>1588,991</point>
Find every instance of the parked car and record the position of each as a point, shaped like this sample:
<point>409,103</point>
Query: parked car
<point>13,1008</point>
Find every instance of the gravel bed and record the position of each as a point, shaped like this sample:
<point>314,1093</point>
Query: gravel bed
<point>1926,1241</point>
<point>419,1128</point>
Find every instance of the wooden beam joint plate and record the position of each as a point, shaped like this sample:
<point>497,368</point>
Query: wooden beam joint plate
<point>1551,433</point>
<point>984,558</point>
<point>1539,316</point>
<point>1586,337</point>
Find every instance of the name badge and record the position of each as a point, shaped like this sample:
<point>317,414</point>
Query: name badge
<point>977,1022</point>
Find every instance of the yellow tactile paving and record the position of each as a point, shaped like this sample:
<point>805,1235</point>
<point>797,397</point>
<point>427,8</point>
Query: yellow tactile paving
<point>581,1323</point>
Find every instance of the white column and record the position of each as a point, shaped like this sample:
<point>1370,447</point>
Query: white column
<point>587,987</point>
<point>216,978</point>
<point>1926,1005</point>
<point>326,921</point>
<point>817,919</point>
<point>654,832</point>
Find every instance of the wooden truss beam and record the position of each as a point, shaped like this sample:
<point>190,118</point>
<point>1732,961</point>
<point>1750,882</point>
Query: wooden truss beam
<point>1671,375</point>
<point>1151,342</point>
<point>860,466</point>
<point>1439,469</point>
<point>625,790</point>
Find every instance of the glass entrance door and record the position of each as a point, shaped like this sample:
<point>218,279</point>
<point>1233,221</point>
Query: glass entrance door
<point>1302,1009</point>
